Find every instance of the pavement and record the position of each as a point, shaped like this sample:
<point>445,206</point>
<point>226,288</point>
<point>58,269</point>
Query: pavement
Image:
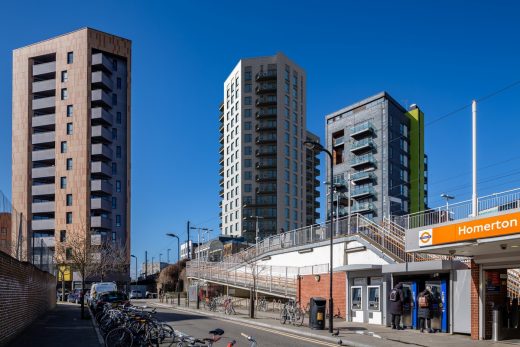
<point>349,334</point>
<point>61,326</point>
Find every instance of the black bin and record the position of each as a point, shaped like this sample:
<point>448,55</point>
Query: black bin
<point>317,313</point>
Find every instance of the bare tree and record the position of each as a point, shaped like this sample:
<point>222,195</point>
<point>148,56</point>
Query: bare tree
<point>109,257</point>
<point>250,262</point>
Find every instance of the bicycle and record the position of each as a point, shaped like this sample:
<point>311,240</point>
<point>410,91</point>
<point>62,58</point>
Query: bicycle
<point>187,340</point>
<point>262,304</point>
<point>229,308</point>
<point>292,312</point>
<point>249,338</point>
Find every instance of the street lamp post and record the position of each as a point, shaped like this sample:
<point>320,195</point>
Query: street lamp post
<point>447,198</point>
<point>318,147</point>
<point>198,256</point>
<point>168,255</point>
<point>136,276</point>
<point>178,265</point>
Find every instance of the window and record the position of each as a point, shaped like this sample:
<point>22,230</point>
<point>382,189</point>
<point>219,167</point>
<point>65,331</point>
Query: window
<point>114,202</point>
<point>119,83</point>
<point>114,99</point>
<point>63,146</point>
<point>247,163</point>
<point>69,217</point>
<point>64,94</point>
<point>118,117</point>
<point>248,150</point>
<point>114,134</point>
<point>247,112</point>
<point>118,152</point>
<point>63,236</point>
<point>70,110</point>
<point>64,76</point>
<point>247,126</point>
<point>69,164</point>
<point>248,87</point>
<point>247,100</point>
<point>118,186</point>
<point>247,175</point>
<point>247,188</point>
<point>70,57</point>
<point>63,182</point>
<point>114,168</point>
<point>247,138</point>
<point>114,65</point>
<point>247,75</point>
<point>113,235</point>
<point>69,199</point>
<point>69,128</point>
<point>118,220</point>
<point>68,253</point>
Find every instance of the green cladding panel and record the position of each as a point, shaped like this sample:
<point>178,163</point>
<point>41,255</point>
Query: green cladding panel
<point>416,160</point>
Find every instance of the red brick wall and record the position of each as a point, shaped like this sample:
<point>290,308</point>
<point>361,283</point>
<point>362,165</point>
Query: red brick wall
<point>25,293</point>
<point>308,287</point>
<point>475,280</point>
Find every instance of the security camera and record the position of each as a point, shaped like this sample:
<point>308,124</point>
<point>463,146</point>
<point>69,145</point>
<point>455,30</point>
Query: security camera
<point>503,246</point>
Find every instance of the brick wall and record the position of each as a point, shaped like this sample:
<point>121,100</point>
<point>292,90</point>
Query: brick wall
<point>308,287</point>
<point>25,293</point>
<point>474,290</point>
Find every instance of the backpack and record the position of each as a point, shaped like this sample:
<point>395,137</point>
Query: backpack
<point>423,301</point>
<point>394,295</point>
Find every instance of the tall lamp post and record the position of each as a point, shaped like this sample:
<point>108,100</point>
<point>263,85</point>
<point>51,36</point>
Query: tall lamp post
<point>447,198</point>
<point>316,146</point>
<point>136,276</point>
<point>178,265</point>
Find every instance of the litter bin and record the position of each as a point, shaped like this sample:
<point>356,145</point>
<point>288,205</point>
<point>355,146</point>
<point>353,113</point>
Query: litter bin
<point>317,313</point>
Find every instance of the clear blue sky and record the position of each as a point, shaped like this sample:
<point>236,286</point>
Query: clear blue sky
<point>438,54</point>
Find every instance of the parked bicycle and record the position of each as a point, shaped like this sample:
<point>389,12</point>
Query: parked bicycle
<point>262,304</point>
<point>292,313</point>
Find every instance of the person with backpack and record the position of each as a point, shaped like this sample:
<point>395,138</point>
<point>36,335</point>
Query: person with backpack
<point>396,305</point>
<point>425,302</point>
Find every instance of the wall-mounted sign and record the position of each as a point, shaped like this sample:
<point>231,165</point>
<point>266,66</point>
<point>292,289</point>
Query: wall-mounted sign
<point>474,229</point>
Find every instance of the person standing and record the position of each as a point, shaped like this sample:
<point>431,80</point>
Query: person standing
<point>396,305</point>
<point>425,302</point>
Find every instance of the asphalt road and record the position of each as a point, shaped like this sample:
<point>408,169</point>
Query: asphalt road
<point>199,326</point>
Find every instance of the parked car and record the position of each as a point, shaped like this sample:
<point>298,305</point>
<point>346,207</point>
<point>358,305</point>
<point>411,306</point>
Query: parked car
<point>151,295</point>
<point>113,297</point>
<point>98,288</point>
<point>77,296</point>
<point>136,294</point>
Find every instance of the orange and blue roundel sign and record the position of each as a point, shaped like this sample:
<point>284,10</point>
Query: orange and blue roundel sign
<point>425,237</point>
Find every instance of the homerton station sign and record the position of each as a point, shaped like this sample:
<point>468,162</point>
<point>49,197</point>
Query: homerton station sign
<point>474,229</point>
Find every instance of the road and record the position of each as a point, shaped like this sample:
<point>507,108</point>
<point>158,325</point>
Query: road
<point>199,326</point>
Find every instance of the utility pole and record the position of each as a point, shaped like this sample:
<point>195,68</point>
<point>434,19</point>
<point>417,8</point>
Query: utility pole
<point>474,148</point>
<point>168,255</point>
<point>145,265</point>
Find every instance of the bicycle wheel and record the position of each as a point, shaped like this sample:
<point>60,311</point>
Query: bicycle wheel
<point>119,337</point>
<point>298,317</point>
<point>166,333</point>
<point>283,315</point>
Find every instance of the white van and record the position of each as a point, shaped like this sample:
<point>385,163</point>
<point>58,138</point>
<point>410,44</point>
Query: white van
<point>100,287</point>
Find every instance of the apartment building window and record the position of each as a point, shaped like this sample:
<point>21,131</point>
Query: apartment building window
<point>247,175</point>
<point>69,164</point>
<point>64,94</point>
<point>63,146</point>
<point>248,138</point>
<point>113,236</point>
<point>70,57</point>
<point>114,168</point>
<point>69,199</point>
<point>118,220</point>
<point>68,253</point>
<point>248,87</point>
<point>118,117</point>
<point>248,150</point>
<point>69,217</point>
<point>114,65</point>
<point>63,235</point>
<point>247,75</point>
<point>247,163</point>
<point>114,133</point>
<point>70,110</point>
<point>403,129</point>
<point>63,182</point>
<point>64,76</point>
<point>247,188</point>
<point>114,202</point>
<point>69,128</point>
<point>247,126</point>
<point>118,152</point>
<point>119,83</point>
<point>114,99</point>
<point>247,113</point>
<point>247,100</point>
<point>118,186</point>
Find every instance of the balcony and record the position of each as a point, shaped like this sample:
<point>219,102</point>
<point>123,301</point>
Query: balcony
<point>100,60</point>
<point>266,75</point>
<point>102,80</point>
<point>265,114</point>
<point>266,138</point>
<point>361,161</point>
<point>43,189</point>
<point>362,129</point>
<point>361,192</point>
<point>43,207</point>
<point>43,172</point>
<point>264,152</point>
<point>265,101</point>
<point>362,146</point>
<point>265,200</point>
<point>44,86</point>
<point>101,187</point>
<point>221,192</point>
<point>267,164</point>
<point>101,133</point>
<point>265,126</point>
<point>44,121</point>
<point>100,204</point>
<point>221,160</point>
<point>42,224</point>
<point>363,207</point>
<point>43,103</point>
<point>101,151</point>
<point>266,88</point>
<point>221,139</point>
<point>43,155</point>
<point>360,177</point>
<point>100,168</point>
<point>100,115</point>
<point>265,178</point>
<point>99,222</point>
<point>266,189</point>
<point>45,68</point>
<point>46,241</point>
<point>338,141</point>
<point>100,97</point>
<point>43,137</point>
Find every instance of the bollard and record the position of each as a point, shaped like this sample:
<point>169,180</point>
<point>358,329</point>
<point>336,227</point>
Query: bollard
<point>496,331</point>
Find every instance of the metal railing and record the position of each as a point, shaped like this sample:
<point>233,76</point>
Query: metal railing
<point>488,204</point>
